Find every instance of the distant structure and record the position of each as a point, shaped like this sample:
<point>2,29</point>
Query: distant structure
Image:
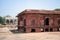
<point>10,20</point>
<point>39,20</point>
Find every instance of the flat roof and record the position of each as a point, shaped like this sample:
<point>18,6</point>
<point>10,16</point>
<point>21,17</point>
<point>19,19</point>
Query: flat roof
<point>40,11</point>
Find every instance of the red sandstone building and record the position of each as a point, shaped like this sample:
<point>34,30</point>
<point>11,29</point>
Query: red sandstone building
<point>39,20</point>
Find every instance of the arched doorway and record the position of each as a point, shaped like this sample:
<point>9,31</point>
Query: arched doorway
<point>46,30</point>
<point>7,21</point>
<point>46,21</point>
<point>51,29</point>
<point>24,29</point>
<point>11,21</point>
<point>32,30</point>
<point>58,29</point>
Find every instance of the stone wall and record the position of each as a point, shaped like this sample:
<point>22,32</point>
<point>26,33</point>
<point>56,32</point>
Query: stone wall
<point>40,21</point>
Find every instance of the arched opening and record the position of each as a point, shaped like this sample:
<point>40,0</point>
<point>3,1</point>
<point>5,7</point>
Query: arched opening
<point>24,29</point>
<point>32,30</point>
<point>7,21</point>
<point>51,29</point>
<point>11,21</point>
<point>47,21</point>
<point>58,29</point>
<point>46,30</point>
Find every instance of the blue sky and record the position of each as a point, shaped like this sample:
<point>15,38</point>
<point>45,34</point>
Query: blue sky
<point>13,7</point>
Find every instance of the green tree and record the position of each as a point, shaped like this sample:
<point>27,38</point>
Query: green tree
<point>58,9</point>
<point>2,20</point>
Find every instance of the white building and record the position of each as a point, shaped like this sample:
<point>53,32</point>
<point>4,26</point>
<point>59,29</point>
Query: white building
<point>11,20</point>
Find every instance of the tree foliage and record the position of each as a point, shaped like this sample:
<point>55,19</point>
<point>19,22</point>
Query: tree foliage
<point>58,9</point>
<point>2,20</point>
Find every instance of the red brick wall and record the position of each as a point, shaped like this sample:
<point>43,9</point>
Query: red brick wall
<point>39,18</point>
